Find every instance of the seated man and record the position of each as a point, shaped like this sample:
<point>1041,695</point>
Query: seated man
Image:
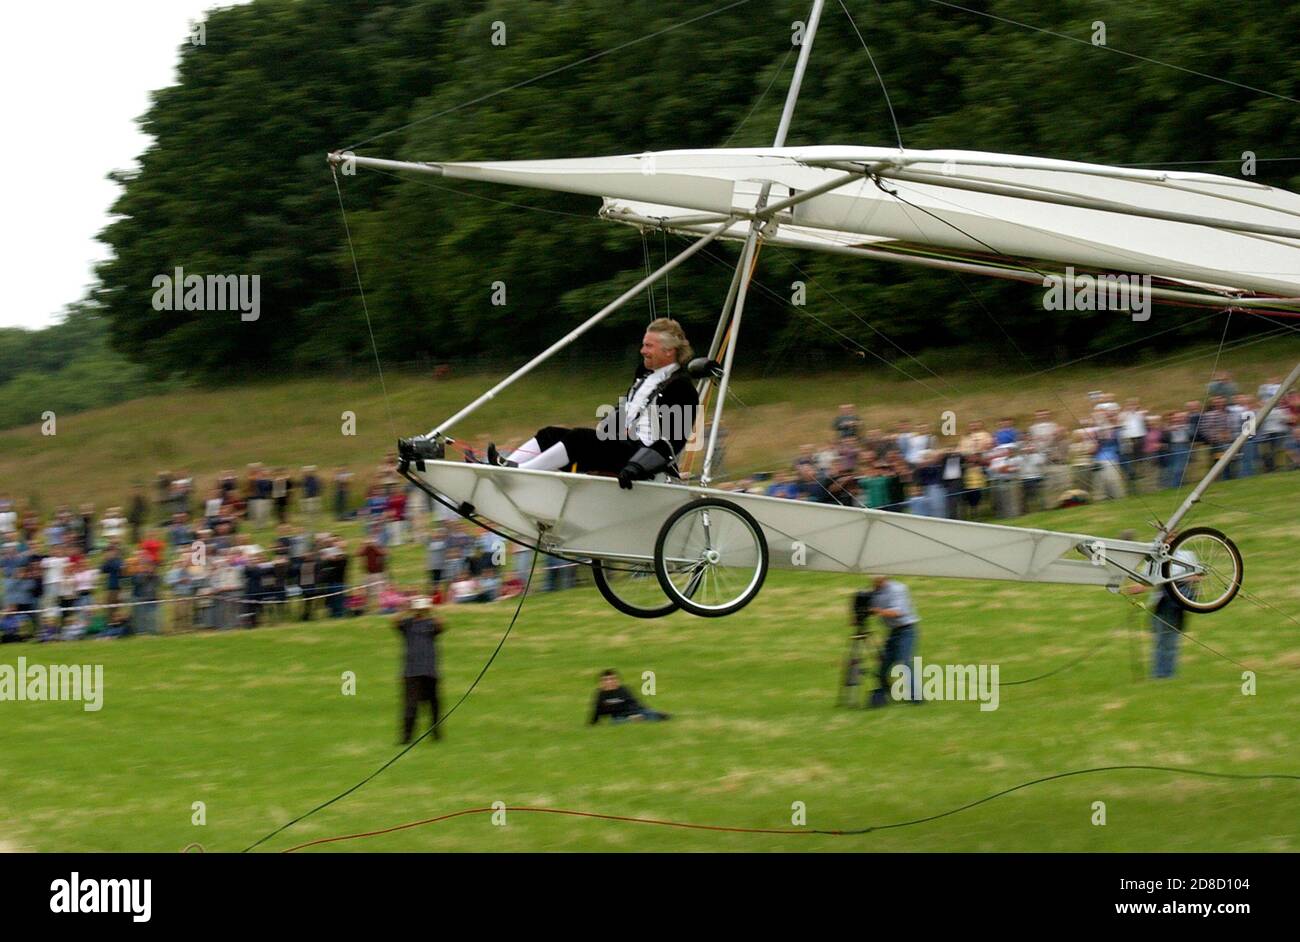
<point>642,437</point>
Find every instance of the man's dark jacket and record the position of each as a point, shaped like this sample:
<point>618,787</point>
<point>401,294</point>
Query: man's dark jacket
<point>677,403</point>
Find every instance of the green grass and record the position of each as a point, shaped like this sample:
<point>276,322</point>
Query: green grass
<point>254,725</point>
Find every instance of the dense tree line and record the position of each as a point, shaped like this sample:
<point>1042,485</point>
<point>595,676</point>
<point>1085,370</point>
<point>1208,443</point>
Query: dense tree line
<point>236,180</point>
<point>65,368</point>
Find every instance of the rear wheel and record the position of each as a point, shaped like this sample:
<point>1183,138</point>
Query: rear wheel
<point>711,557</point>
<point>632,588</point>
<point>1216,578</point>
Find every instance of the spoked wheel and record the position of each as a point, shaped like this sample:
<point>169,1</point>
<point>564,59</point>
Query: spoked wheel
<point>1220,559</point>
<point>711,557</point>
<point>632,588</point>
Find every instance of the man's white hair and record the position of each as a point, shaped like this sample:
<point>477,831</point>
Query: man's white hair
<point>674,338</point>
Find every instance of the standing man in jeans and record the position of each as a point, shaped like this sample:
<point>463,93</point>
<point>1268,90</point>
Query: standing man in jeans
<point>419,627</point>
<point>892,602</point>
<point>1167,618</point>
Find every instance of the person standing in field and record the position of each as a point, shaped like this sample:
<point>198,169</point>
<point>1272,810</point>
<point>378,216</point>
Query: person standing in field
<point>311,488</point>
<point>892,603</point>
<point>1167,616</point>
<point>419,628</point>
<point>435,558</point>
<point>136,515</point>
<point>341,479</point>
<point>281,490</point>
<point>376,560</point>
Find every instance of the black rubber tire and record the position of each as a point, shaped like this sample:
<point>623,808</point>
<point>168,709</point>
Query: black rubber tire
<point>661,570</point>
<point>1204,608</point>
<point>627,608</point>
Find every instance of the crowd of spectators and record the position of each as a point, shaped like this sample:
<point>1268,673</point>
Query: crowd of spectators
<point>1112,449</point>
<point>261,547</point>
<point>243,553</point>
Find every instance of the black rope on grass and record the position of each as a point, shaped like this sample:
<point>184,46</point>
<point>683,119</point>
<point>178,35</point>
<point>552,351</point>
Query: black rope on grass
<point>415,742</point>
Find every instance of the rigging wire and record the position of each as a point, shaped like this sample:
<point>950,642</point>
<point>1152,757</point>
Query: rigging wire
<point>775,75</point>
<point>421,181</point>
<point>415,742</point>
<point>1240,510</point>
<point>1138,494</point>
<point>880,78</point>
<point>551,72</point>
<point>650,291</point>
<point>652,307</point>
<point>1186,634</point>
<point>1199,415</point>
<point>989,314</point>
<point>1260,603</point>
<point>645,250</point>
<point>392,426</point>
<point>1146,505</point>
<point>857,348</point>
<point>1109,48</point>
<point>1134,629</point>
<point>668,307</point>
<point>860,349</point>
<point>787,256</point>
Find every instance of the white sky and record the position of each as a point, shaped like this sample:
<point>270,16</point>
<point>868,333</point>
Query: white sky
<point>75,75</point>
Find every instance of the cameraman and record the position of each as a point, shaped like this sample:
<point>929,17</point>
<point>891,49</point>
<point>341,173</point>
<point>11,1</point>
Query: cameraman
<point>892,602</point>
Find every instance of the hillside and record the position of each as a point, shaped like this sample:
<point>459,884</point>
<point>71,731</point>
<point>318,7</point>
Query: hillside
<point>96,455</point>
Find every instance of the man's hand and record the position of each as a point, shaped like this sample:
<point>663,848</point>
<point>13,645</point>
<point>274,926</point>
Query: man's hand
<point>646,463</point>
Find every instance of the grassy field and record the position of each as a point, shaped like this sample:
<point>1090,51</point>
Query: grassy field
<point>254,724</point>
<point>95,456</point>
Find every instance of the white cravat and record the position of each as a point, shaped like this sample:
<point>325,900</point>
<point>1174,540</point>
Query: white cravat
<point>638,416</point>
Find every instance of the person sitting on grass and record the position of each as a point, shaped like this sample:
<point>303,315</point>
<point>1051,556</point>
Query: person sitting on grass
<point>616,701</point>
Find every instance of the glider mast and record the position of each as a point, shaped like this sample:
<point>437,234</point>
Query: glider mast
<point>744,269</point>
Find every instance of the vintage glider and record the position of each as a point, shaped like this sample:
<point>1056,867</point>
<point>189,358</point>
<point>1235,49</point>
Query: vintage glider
<point>664,545</point>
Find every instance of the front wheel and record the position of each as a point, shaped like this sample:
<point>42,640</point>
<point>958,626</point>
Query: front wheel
<point>1205,568</point>
<point>632,588</point>
<point>711,557</point>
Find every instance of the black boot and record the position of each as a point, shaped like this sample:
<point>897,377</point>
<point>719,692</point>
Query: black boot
<point>494,457</point>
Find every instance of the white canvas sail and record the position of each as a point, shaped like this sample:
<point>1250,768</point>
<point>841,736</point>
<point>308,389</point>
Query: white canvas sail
<point>1199,229</point>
